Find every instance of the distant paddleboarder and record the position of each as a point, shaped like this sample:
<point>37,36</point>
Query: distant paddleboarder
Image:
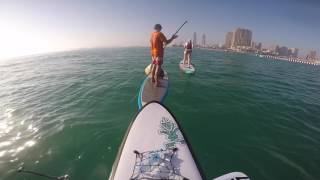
<point>187,53</point>
<point>158,41</point>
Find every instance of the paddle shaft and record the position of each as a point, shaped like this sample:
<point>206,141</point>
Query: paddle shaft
<point>180,28</point>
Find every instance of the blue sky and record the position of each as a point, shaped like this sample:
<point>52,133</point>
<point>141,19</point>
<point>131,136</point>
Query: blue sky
<point>35,26</point>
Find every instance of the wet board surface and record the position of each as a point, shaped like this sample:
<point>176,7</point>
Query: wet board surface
<point>155,147</point>
<point>186,69</point>
<point>148,92</point>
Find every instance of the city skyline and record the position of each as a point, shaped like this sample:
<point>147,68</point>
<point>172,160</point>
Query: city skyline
<point>241,38</point>
<point>29,27</point>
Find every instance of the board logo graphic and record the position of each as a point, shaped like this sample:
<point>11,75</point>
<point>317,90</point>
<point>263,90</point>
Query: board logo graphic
<point>172,133</point>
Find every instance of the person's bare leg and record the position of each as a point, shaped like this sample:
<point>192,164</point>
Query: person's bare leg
<point>184,58</point>
<point>189,59</point>
<point>156,75</point>
<point>153,69</point>
<point>150,70</point>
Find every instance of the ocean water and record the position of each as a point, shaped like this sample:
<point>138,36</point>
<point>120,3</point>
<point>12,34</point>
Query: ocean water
<point>67,112</point>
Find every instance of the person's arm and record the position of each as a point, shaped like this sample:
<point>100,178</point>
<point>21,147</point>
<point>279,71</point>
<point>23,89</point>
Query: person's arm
<point>167,41</point>
<point>151,42</point>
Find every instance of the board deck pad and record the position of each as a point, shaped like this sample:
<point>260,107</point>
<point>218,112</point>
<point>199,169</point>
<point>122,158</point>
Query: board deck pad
<point>149,92</point>
<point>186,69</point>
<point>155,148</point>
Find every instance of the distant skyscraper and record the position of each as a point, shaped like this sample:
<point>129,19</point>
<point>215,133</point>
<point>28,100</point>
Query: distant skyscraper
<point>241,37</point>
<point>194,38</point>
<point>312,55</point>
<point>253,44</point>
<point>228,41</point>
<point>283,51</point>
<point>204,40</point>
<point>293,52</point>
<point>256,45</point>
<point>259,46</point>
<point>276,50</point>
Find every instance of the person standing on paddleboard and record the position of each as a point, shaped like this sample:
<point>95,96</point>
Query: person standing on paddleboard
<point>158,41</point>
<point>187,53</point>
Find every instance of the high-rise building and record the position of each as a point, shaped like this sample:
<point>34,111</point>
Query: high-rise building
<point>259,46</point>
<point>276,50</point>
<point>241,37</point>
<point>312,55</point>
<point>293,52</point>
<point>253,44</point>
<point>195,39</point>
<point>203,40</point>
<point>228,41</point>
<point>283,51</point>
<point>256,45</point>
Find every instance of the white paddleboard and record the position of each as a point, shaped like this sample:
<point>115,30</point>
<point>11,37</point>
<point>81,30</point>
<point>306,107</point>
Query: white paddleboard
<point>185,68</point>
<point>149,92</point>
<point>155,147</point>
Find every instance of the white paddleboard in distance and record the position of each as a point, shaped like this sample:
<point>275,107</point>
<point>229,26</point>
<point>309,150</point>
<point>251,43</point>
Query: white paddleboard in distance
<point>155,147</point>
<point>185,68</point>
<point>149,92</point>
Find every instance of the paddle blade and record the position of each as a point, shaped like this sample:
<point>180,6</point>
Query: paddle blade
<point>147,70</point>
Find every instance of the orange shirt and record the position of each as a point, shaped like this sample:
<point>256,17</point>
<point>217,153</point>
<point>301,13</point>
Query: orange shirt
<point>157,42</point>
